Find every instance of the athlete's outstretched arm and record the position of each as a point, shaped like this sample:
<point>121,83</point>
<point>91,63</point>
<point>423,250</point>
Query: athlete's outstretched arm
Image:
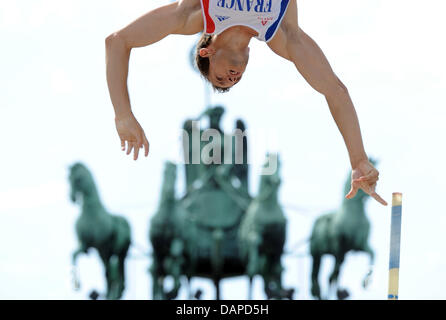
<point>293,44</point>
<point>314,67</point>
<point>175,18</point>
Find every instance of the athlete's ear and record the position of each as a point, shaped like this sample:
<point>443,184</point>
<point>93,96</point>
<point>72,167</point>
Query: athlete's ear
<point>206,52</point>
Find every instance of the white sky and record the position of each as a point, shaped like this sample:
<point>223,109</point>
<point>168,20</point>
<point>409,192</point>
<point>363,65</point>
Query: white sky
<point>55,110</point>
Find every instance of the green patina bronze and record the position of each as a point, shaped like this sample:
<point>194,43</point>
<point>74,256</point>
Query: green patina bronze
<point>337,233</point>
<point>96,228</point>
<point>198,235</point>
<point>263,234</point>
<point>165,235</point>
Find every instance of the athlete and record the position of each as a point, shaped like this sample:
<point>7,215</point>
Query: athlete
<point>222,55</point>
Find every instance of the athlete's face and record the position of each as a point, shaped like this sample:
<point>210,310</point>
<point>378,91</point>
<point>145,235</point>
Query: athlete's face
<point>227,66</point>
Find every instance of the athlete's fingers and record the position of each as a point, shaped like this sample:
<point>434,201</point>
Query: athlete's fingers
<point>356,185</point>
<point>365,185</point>
<point>146,146</point>
<point>368,187</point>
<point>378,198</point>
<point>129,147</point>
<point>137,147</point>
<point>136,151</point>
<point>370,190</point>
<point>369,180</point>
<point>372,175</point>
<point>353,191</point>
<point>122,144</point>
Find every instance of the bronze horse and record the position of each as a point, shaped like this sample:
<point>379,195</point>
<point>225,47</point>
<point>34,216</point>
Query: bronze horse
<point>165,237</point>
<point>262,236</point>
<point>98,229</point>
<point>337,233</point>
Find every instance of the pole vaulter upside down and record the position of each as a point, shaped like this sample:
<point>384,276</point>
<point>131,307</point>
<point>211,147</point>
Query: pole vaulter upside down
<point>222,55</point>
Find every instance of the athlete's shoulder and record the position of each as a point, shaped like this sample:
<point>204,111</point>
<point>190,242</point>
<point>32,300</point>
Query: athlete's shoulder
<point>189,5</point>
<point>289,23</point>
<point>190,13</point>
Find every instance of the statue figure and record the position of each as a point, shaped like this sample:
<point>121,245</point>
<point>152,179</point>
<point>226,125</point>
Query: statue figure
<point>165,237</point>
<point>337,233</point>
<point>197,235</point>
<point>215,114</point>
<point>214,207</point>
<point>96,228</point>
<point>217,152</point>
<point>196,170</point>
<point>262,237</point>
<point>192,171</point>
<point>241,170</point>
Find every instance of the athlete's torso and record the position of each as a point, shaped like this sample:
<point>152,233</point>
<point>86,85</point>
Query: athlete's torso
<point>264,16</point>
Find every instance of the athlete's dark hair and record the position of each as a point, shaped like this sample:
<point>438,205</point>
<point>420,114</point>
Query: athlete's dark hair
<point>203,62</point>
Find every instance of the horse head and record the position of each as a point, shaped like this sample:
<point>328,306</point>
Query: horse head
<point>215,114</point>
<point>81,181</point>
<point>270,179</point>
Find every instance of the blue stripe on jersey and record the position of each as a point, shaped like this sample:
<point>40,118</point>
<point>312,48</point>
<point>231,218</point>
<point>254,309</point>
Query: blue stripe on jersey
<point>271,30</point>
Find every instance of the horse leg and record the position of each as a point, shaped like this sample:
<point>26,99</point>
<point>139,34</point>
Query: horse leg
<point>109,283</point>
<point>176,267</point>
<point>74,271</point>
<point>277,275</point>
<point>270,283</point>
<point>315,289</point>
<point>114,278</point>
<point>106,262</point>
<point>76,253</point>
<point>341,294</point>
<point>274,270</point>
<point>217,288</point>
<point>266,287</point>
<point>176,275</point>
<point>250,287</point>
<point>156,289</point>
<point>368,276</point>
<point>189,287</point>
<point>253,266</point>
<point>217,261</point>
<point>121,270</point>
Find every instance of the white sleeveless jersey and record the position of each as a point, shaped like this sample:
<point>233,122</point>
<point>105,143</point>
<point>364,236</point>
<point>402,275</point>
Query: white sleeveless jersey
<point>264,16</point>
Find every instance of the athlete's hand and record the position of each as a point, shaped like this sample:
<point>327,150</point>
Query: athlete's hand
<point>364,177</point>
<point>131,131</point>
